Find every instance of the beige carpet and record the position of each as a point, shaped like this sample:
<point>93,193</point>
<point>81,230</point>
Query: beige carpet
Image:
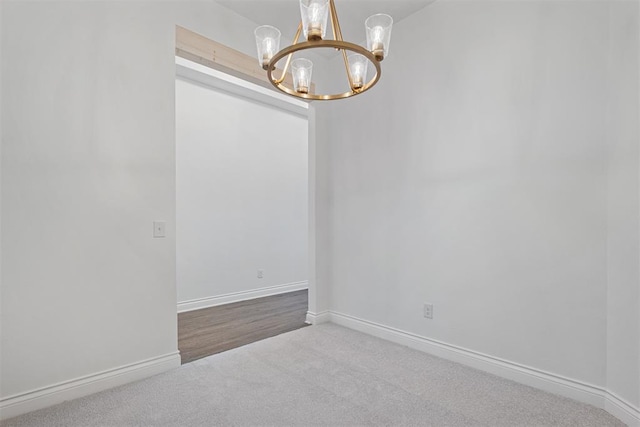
<point>322,375</point>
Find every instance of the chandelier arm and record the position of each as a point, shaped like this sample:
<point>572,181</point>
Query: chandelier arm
<point>286,65</point>
<point>332,13</point>
<point>335,22</point>
<point>346,66</point>
<point>337,35</point>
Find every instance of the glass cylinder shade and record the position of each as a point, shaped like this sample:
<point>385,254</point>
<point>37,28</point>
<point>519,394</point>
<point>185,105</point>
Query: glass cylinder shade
<point>301,69</point>
<point>379,34</point>
<point>268,44</point>
<point>314,15</point>
<point>358,69</point>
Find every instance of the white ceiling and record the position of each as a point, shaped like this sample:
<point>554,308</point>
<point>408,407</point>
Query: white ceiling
<point>285,14</point>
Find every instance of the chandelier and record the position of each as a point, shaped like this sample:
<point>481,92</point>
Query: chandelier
<point>313,27</point>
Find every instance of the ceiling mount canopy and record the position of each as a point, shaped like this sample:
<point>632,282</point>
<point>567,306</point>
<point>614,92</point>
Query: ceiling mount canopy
<point>313,27</point>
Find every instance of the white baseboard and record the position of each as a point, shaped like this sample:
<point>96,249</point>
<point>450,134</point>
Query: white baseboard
<point>546,381</point>
<point>22,403</point>
<point>197,304</point>
<point>317,318</point>
<point>621,409</point>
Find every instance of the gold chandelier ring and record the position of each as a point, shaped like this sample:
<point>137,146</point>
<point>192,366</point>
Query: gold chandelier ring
<point>337,44</point>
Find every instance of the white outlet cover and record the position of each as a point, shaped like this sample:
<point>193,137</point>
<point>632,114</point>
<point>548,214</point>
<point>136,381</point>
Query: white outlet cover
<point>428,311</point>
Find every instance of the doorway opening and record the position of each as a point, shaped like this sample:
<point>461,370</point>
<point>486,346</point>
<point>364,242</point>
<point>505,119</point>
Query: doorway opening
<point>242,217</point>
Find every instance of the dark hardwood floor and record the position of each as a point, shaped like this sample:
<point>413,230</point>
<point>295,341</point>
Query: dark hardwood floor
<point>212,330</point>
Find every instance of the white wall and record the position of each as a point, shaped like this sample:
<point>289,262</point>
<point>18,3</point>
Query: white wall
<point>319,210</point>
<point>623,212</point>
<point>241,194</point>
<point>1,133</point>
<point>478,182</point>
<point>88,163</point>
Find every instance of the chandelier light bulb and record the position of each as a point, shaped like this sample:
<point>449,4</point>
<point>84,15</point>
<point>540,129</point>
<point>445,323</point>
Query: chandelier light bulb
<point>314,15</point>
<point>377,45</point>
<point>268,43</point>
<point>269,47</point>
<point>358,69</point>
<point>301,69</point>
<point>379,34</point>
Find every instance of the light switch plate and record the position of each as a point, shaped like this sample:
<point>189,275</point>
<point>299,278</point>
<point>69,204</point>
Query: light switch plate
<point>159,228</point>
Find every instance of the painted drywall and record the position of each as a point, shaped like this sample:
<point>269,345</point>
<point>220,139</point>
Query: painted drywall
<point>1,136</point>
<point>623,212</point>
<point>88,163</point>
<point>479,183</point>
<point>319,209</point>
<point>241,199</point>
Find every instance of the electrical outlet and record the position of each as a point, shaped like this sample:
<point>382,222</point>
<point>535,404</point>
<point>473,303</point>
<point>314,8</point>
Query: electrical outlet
<point>428,311</point>
<point>260,273</point>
